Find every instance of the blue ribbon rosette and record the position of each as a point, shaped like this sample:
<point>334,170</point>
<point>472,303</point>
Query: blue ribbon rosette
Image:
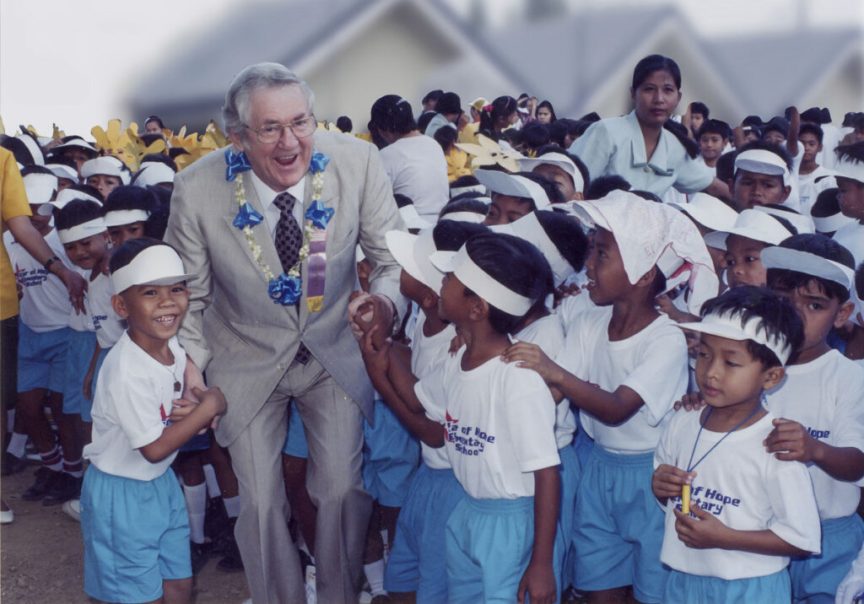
<point>285,289</point>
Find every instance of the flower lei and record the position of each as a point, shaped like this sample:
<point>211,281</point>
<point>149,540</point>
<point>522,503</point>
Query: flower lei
<point>286,288</point>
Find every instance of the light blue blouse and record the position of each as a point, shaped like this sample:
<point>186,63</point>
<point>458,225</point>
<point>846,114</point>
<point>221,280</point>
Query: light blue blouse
<point>616,146</point>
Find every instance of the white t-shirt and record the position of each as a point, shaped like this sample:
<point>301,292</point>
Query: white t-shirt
<point>427,352</point>
<point>82,321</point>
<point>134,397</point>
<point>809,189</point>
<point>548,333</point>
<point>500,422</point>
<point>109,326</point>
<point>417,168</point>
<point>746,488</point>
<point>851,236</point>
<point>653,363</point>
<point>826,396</point>
<point>45,303</point>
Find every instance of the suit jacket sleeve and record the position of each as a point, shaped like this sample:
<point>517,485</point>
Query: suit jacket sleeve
<point>184,233</point>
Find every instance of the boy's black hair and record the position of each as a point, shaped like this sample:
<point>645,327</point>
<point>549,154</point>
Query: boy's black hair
<point>552,191</point>
<point>648,195</point>
<point>510,261</point>
<point>468,180</point>
<point>826,204</point>
<point>753,121</point>
<point>859,281</point>
<point>154,118</point>
<point>714,127</point>
<point>175,152</point>
<point>777,317</point>
<point>124,254</point>
<point>700,108</point>
<point>161,158</point>
<point>129,197</point>
<point>88,189</point>
<point>783,221</point>
<point>57,158</point>
<point>18,149</point>
<point>816,115</point>
<point>446,137</point>
<point>451,235</point>
<point>811,128</point>
<point>35,169</point>
<point>580,165</point>
<point>778,123</point>
<point>77,211</point>
<point>392,113</point>
<point>764,146</point>
<point>402,200</point>
<point>535,135</point>
<point>466,202</point>
<point>344,123</point>
<point>726,166</point>
<point>148,138</point>
<point>819,245</point>
<point>567,235</point>
<point>603,185</point>
<point>157,224</point>
<point>423,120</point>
<point>853,152</point>
<point>432,95</point>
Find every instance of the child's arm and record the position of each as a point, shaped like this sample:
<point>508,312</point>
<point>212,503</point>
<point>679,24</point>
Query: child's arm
<point>609,407</point>
<point>87,388</point>
<point>538,582</point>
<point>706,532</point>
<point>378,360</point>
<point>175,436</point>
<point>792,134</point>
<point>790,441</point>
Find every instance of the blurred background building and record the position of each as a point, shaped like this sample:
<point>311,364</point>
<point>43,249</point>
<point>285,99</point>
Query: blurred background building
<point>579,57</point>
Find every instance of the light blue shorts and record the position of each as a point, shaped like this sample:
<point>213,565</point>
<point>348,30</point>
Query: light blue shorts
<point>583,444</point>
<point>416,562</point>
<point>81,347</point>
<point>619,526</point>
<point>489,543</point>
<point>390,457</point>
<point>815,578</point>
<point>570,471</point>
<point>770,589</point>
<point>295,440</point>
<point>42,358</point>
<point>136,535</point>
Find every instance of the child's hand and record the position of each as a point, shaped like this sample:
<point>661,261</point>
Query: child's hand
<point>703,532</point>
<point>376,356</point>
<point>538,583</point>
<point>531,356</point>
<point>456,343</point>
<point>181,409</point>
<point>692,401</point>
<point>213,398</point>
<point>790,441</point>
<point>666,482</point>
<point>565,291</point>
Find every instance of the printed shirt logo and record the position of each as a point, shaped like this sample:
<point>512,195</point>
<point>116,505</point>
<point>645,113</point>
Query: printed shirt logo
<point>710,500</point>
<point>467,440</point>
<point>818,434</point>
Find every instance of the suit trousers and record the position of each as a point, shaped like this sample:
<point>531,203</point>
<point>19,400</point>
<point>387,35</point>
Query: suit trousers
<point>333,426</point>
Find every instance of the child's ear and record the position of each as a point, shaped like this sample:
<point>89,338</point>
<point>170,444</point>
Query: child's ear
<point>771,377</point>
<point>786,190</point>
<point>429,300</point>
<point>647,280</point>
<point>479,309</point>
<point>119,306</point>
<point>843,313</point>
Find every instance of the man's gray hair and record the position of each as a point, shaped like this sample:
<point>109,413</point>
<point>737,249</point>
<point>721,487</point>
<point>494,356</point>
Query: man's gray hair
<point>235,111</point>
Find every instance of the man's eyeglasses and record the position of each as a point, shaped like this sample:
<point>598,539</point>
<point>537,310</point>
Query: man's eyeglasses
<point>271,133</point>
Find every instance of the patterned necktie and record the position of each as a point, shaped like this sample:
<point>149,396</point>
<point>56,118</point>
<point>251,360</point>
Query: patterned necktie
<point>289,237</point>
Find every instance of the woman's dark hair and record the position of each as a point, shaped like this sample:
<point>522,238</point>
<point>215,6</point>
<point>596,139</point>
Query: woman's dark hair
<point>560,128</point>
<point>424,119</point>
<point>509,261</point>
<point>859,281</point>
<point>155,118</point>
<point>446,137</point>
<point>679,131</point>
<point>853,152</point>
<point>580,165</point>
<point>127,252</point>
<point>344,123</point>
<point>392,113</point>
<point>652,63</point>
<point>603,185</point>
<point>466,202</point>
<point>552,191</point>
<point>77,211</point>
<point>451,235</point>
<point>547,105</point>
<point>777,318</point>
<point>819,245</point>
<point>567,235</point>
<point>160,158</point>
<point>534,136</point>
<point>432,96</point>
<point>497,109</point>
<point>129,197</point>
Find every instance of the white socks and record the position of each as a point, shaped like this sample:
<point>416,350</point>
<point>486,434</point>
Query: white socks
<point>232,506</point>
<point>196,504</point>
<point>375,575</point>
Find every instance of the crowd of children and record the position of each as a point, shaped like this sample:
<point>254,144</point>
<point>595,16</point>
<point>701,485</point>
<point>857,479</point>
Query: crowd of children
<point>631,366</point>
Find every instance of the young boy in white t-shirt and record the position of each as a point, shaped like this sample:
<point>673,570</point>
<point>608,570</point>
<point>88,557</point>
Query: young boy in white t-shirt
<point>734,513</point>
<point>820,406</point>
<point>133,515</point>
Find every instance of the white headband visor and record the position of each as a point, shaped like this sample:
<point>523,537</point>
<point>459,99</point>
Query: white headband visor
<point>762,161</point>
<point>82,231</point>
<point>121,217</point>
<point>808,264</point>
<point>730,326</point>
<point>529,228</point>
<point>849,169</point>
<point>156,265</point>
<point>559,161</point>
<point>513,185</point>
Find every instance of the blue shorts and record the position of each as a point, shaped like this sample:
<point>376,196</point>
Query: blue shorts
<point>489,543</point>
<point>416,563</point>
<point>199,442</point>
<point>81,347</point>
<point>390,457</point>
<point>136,535</point>
<point>295,440</point>
<point>583,444</point>
<point>570,471</point>
<point>816,578</point>
<point>619,526</point>
<point>770,589</point>
<point>42,358</point>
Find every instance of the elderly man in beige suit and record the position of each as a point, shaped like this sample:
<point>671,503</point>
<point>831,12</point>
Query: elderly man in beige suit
<point>265,347</point>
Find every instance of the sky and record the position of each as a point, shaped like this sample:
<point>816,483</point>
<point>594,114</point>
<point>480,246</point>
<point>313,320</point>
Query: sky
<point>72,63</point>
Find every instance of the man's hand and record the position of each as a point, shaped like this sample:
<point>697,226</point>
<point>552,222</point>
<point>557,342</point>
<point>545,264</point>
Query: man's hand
<point>666,482</point>
<point>538,583</point>
<point>790,441</point>
<point>703,532</point>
